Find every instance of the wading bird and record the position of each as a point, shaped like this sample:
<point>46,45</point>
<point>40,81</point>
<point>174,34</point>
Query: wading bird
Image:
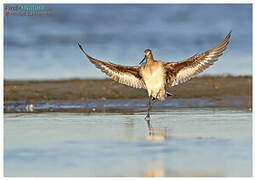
<point>156,75</point>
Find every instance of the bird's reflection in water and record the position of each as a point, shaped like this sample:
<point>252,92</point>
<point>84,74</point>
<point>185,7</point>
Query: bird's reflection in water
<point>154,172</point>
<point>157,134</point>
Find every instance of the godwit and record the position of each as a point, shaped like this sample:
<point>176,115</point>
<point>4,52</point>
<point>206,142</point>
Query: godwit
<point>155,75</point>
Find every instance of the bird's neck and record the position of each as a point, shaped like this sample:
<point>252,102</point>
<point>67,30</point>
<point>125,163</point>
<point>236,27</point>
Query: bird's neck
<point>149,59</point>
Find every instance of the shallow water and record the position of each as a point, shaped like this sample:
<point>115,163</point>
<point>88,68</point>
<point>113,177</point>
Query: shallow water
<point>123,105</point>
<point>182,142</point>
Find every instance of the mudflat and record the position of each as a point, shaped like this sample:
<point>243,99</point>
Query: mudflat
<point>78,89</point>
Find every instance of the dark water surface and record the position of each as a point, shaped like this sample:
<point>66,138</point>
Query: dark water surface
<point>182,142</point>
<point>131,105</point>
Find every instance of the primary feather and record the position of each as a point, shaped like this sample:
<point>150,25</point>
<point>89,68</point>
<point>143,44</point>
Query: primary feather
<point>128,75</point>
<point>180,72</point>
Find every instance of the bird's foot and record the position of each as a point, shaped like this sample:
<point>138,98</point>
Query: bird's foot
<point>147,117</point>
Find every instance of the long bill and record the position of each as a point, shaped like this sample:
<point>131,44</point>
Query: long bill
<point>142,60</point>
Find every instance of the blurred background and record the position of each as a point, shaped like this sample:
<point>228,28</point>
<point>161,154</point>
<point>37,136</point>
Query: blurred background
<point>45,47</point>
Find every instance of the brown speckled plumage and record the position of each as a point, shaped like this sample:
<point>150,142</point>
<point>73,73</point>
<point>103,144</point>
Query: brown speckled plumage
<point>180,72</point>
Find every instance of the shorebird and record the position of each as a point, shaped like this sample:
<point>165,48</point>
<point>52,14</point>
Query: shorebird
<point>156,75</point>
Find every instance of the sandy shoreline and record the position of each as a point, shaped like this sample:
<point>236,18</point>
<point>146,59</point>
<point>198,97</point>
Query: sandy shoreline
<point>77,89</point>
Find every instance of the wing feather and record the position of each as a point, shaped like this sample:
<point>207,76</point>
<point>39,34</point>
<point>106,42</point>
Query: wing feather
<point>128,75</point>
<point>180,72</point>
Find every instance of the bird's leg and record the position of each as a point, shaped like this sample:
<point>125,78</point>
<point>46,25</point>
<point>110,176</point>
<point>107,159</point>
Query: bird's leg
<point>147,117</point>
<point>154,100</point>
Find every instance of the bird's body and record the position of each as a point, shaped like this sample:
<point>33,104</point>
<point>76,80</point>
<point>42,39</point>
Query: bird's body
<point>155,76</point>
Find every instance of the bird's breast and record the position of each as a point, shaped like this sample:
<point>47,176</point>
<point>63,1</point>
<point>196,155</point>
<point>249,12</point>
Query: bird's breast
<point>153,76</point>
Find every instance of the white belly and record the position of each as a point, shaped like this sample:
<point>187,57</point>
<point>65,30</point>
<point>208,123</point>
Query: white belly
<point>154,81</point>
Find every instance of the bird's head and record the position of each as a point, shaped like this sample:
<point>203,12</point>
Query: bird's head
<point>147,55</point>
<point>147,52</point>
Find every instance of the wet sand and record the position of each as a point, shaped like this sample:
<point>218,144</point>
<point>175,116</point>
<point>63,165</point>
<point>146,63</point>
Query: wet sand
<point>76,89</point>
<point>182,142</point>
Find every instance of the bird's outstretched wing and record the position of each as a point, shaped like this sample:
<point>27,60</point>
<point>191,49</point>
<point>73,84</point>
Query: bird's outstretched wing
<point>128,75</point>
<point>180,72</point>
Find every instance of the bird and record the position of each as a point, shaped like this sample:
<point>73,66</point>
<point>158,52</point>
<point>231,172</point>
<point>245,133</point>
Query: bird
<point>156,75</point>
